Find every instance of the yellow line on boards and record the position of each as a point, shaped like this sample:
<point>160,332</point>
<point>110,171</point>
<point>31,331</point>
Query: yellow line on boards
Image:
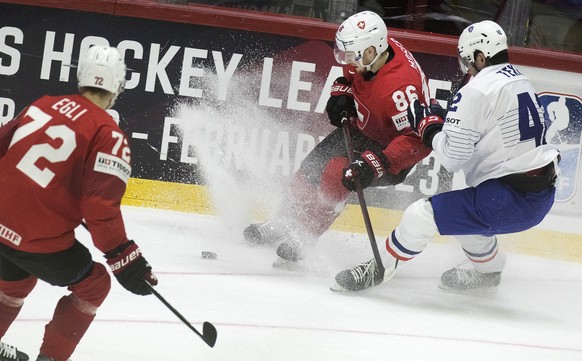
<point>167,195</point>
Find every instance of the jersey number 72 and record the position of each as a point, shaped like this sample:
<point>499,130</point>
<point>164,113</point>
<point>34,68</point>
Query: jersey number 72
<point>27,164</point>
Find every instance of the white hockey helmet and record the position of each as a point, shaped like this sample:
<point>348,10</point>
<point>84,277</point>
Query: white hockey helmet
<point>356,34</point>
<point>485,36</point>
<point>102,68</point>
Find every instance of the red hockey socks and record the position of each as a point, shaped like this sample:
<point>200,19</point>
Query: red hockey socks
<point>12,295</point>
<point>63,333</point>
<point>315,207</point>
<point>74,314</point>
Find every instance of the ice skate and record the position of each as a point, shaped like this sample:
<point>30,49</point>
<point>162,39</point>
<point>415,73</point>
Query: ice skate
<point>264,233</point>
<point>364,275</point>
<point>292,250</point>
<point>459,279</point>
<point>10,353</point>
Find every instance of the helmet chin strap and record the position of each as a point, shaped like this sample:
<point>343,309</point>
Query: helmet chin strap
<point>367,71</point>
<point>369,66</point>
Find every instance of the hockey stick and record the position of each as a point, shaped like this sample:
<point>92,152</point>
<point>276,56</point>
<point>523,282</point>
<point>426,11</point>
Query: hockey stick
<point>360,193</point>
<point>208,334</point>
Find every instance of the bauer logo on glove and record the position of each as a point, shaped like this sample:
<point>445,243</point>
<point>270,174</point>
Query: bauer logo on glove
<point>340,104</point>
<point>340,89</point>
<point>130,268</point>
<point>369,166</point>
<point>121,263</point>
<point>375,163</point>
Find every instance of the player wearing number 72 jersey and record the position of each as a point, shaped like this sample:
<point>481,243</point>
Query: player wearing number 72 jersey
<point>63,160</point>
<point>494,132</point>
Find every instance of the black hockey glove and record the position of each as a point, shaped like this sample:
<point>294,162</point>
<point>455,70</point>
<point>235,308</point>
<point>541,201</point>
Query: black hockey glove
<point>340,104</point>
<point>130,268</point>
<point>369,166</point>
<point>426,121</point>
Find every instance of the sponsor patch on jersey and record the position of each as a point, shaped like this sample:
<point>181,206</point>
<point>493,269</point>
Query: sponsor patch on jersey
<point>110,164</point>
<point>400,121</point>
<point>10,235</point>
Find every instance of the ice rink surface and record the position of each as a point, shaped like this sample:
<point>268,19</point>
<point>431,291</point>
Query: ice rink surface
<point>262,313</point>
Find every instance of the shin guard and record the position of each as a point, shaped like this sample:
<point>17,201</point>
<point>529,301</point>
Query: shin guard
<point>74,314</point>
<point>315,207</point>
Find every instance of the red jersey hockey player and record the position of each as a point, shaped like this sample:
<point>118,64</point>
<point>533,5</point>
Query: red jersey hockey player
<point>381,79</point>
<point>62,160</point>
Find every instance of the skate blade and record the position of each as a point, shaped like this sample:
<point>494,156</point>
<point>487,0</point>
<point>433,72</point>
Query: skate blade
<point>339,289</point>
<point>473,291</point>
<point>286,265</point>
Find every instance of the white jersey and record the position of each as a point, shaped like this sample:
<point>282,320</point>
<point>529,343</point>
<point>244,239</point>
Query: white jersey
<point>495,126</point>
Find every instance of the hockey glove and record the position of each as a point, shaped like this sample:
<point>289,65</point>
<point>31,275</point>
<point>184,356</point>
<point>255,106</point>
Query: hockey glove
<point>426,122</point>
<point>130,268</point>
<point>366,168</point>
<point>340,104</point>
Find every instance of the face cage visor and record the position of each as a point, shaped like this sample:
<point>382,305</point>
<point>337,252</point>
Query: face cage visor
<point>344,57</point>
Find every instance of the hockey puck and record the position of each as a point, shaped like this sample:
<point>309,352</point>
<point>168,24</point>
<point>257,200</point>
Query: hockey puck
<point>208,255</point>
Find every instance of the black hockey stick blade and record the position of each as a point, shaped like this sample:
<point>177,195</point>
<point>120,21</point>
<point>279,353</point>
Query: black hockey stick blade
<point>209,333</point>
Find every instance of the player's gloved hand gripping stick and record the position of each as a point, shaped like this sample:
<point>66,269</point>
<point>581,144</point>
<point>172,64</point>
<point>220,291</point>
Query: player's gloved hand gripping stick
<point>341,103</point>
<point>426,121</point>
<point>131,269</point>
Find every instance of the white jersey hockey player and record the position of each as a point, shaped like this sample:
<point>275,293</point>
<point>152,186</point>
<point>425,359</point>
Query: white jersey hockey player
<point>494,131</point>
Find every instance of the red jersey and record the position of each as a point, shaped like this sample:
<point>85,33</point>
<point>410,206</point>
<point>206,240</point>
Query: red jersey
<point>62,160</point>
<point>382,104</point>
